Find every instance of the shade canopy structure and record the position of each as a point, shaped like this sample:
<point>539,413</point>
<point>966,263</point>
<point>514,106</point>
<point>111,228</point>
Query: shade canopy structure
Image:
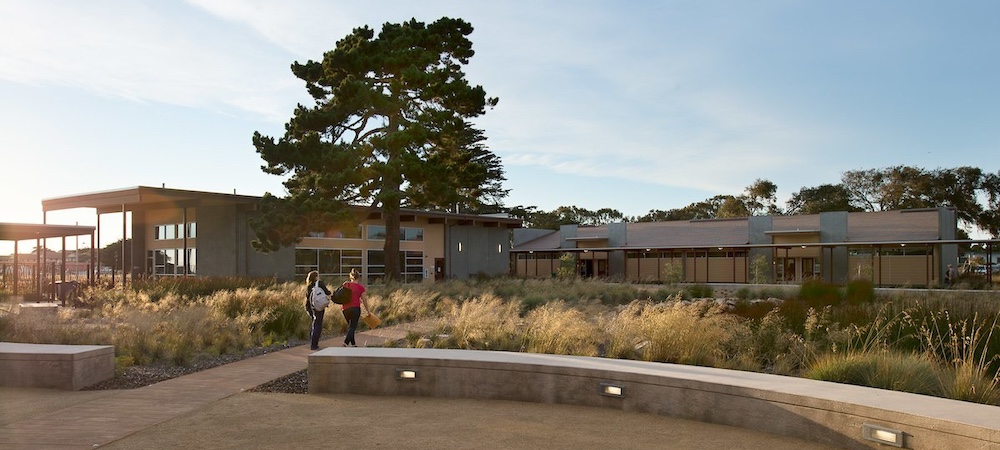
<point>143,197</point>
<point>26,231</point>
<point>29,231</point>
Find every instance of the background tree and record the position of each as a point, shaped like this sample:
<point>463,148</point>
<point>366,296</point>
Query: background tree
<point>389,126</point>
<point>822,198</point>
<point>111,254</point>
<point>989,218</point>
<point>732,207</point>
<point>569,215</point>
<point>905,187</point>
<point>865,188</point>
<point>761,197</point>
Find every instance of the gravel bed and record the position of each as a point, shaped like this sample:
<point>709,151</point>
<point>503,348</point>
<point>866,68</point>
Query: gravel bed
<point>139,376</point>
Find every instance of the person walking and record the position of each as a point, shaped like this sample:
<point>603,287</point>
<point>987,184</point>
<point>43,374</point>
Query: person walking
<point>352,309</point>
<point>312,280</point>
<point>950,275</point>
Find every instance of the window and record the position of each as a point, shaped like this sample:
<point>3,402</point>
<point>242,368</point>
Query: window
<point>338,233</point>
<point>377,233</point>
<point>328,262</point>
<point>192,261</point>
<point>411,265</point>
<point>412,234</point>
<point>171,261</point>
<point>174,231</point>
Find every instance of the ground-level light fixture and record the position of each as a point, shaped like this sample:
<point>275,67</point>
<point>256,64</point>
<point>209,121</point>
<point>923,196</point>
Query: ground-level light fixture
<point>406,374</point>
<point>882,435</point>
<point>612,390</point>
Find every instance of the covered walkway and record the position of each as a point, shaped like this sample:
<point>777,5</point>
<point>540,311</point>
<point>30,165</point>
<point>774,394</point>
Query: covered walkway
<point>39,277</point>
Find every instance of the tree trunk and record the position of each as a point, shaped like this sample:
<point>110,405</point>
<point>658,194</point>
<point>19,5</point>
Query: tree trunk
<point>390,214</point>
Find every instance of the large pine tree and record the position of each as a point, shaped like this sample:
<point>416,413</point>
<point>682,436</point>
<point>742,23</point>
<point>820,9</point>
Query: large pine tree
<point>389,129</point>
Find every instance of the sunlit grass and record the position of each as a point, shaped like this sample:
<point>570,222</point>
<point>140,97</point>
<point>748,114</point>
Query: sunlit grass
<point>931,343</point>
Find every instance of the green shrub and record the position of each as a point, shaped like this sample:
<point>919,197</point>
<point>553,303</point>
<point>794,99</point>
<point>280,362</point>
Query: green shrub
<point>700,291</point>
<point>767,345</point>
<point>760,270</point>
<point>819,293</point>
<point>859,291</point>
<point>567,266</point>
<point>905,372</point>
<point>672,273</point>
<point>532,301</point>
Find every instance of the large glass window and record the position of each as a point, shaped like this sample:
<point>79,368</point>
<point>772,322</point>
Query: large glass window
<point>411,265</point>
<point>171,261</point>
<point>328,262</point>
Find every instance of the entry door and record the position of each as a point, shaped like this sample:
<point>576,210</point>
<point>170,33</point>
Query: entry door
<point>809,269</point>
<point>438,269</point>
<point>789,270</point>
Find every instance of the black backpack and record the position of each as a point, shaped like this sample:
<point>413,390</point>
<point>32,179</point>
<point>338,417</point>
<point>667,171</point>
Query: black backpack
<point>342,295</point>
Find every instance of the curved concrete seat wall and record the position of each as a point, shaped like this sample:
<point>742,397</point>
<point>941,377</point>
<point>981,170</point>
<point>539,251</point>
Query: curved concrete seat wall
<point>836,414</point>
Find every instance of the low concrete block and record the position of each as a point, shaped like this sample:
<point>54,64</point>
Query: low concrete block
<point>68,367</point>
<point>831,413</point>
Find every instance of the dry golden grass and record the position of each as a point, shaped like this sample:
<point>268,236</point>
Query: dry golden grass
<point>559,329</point>
<point>588,318</point>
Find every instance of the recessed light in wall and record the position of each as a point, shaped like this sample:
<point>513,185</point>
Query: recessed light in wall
<point>406,374</point>
<point>612,390</point>
<point>882,435</point>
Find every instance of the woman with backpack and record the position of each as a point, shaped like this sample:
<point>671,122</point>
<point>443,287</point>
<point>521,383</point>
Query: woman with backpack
<point>312,282</point>
<point>352,309</point>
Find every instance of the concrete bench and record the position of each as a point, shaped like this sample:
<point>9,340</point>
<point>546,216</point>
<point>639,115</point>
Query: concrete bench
<point>836,414</point>
<point>68,367</point>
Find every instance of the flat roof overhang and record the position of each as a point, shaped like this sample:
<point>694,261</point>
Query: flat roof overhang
<point>587,238</point>
<point>784,245</point>
<point>26,231</point>
<point>791,232</point>
<point>143,197</point>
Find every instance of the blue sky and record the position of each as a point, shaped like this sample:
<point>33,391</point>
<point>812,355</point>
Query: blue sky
<point>633,105</point>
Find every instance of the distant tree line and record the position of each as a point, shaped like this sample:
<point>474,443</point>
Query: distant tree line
<point>975,195</point>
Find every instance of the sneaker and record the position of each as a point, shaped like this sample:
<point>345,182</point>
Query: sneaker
<point>313,348</point>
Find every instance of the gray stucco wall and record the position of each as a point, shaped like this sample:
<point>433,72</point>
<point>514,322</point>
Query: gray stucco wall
<point>224,249</point>
<point>483,250</point>
<point>758,226</point>
<point>617,237</point>
<point>566,232</point>
<point>948,226</point>
<point>522,235</point>
<point>833,228</point>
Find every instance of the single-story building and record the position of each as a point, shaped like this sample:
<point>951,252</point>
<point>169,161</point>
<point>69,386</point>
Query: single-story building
<point>178,232</point>
<point>890,248</point>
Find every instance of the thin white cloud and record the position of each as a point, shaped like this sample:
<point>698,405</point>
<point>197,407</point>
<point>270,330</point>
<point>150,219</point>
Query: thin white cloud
<point>147,52</point>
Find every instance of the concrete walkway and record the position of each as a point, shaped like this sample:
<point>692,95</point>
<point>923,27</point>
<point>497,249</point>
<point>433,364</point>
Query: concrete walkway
<point>117,414</point>
<point>209,409</point>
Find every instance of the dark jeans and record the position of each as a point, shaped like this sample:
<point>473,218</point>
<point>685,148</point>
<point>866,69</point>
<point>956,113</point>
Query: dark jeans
<point>317,329</point>
<point>352,315</point>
